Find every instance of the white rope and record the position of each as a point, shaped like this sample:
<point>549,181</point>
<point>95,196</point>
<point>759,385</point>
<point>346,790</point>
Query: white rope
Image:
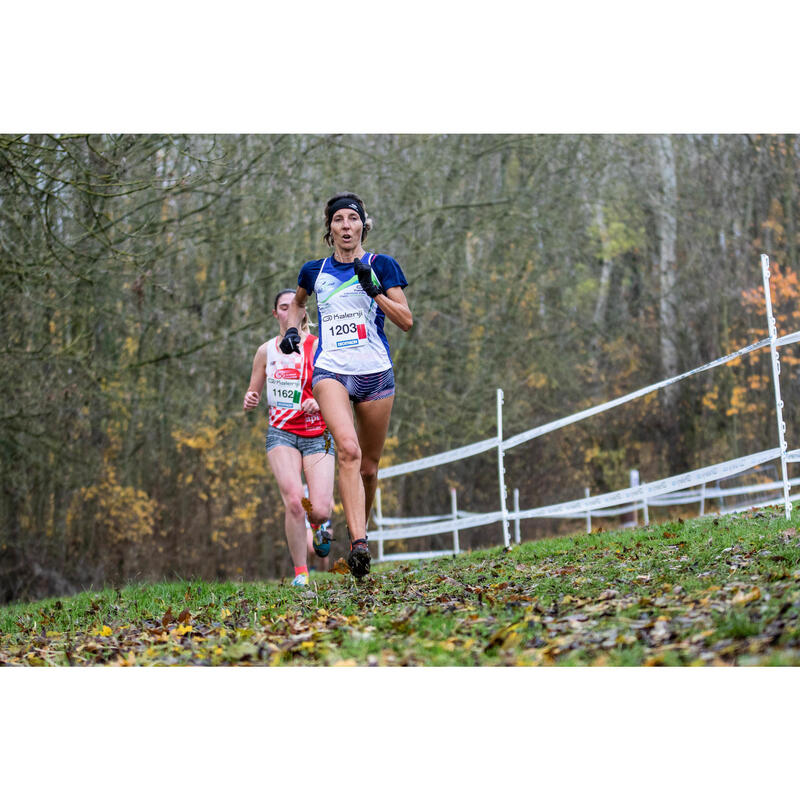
<point>441,458</point>
<point>488,444</point>
<point>647,490</point>
<point>437,527</point>
<point>526,436</point>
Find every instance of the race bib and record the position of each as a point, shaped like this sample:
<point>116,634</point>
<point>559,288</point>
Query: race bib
<point>284,388</point>
<point>345,329</point>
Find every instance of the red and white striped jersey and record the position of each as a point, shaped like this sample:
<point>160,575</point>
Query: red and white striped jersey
<point>292,375</point>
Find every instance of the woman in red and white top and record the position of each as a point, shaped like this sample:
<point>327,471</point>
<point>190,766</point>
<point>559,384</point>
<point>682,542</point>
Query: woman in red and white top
<point>298,441</point>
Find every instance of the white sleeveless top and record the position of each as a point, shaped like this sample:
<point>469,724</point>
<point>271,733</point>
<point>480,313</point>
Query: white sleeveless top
<point>351,337</point>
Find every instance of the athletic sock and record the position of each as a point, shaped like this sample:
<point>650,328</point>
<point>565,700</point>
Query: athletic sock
<point>300,570</point>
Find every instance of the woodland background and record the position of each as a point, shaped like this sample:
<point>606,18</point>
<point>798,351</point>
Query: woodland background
<point>138,273</point>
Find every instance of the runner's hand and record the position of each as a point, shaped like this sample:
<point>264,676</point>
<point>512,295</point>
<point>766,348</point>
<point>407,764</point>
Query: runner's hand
<point>290,342</point>
<point>251,400</point>
<point>364,275</point>
<point>310,406</point>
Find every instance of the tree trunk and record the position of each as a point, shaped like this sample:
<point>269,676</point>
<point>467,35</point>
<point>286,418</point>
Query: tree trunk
<point>667,222</point>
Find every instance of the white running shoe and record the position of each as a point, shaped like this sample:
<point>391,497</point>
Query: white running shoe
<point>300,580</point>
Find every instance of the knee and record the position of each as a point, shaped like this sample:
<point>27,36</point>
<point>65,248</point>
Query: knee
<point>369,470</point>
<point>294,507</point>
<point>349,452</point>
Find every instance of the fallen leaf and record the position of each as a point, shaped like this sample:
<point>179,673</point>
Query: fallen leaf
<point>742,598</point>
<point>340,568</point>
<point>167,618</point>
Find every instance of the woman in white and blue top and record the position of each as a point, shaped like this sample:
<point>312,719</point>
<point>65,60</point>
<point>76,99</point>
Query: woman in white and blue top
<point>356,291</point>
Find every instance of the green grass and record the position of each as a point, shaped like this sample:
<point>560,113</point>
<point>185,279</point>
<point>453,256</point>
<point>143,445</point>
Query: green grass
<point>713,591</point>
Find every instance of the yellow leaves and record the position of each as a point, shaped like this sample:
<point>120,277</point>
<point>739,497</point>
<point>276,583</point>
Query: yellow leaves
<point>204,438</point>
<point>122,513</point>
<point>536,380</point>
<point>224,613</point>
<point>737,403</point>
<point>182,629</point>
<point>710,399</point>
<point>743,598</point>
<point>103,631</point>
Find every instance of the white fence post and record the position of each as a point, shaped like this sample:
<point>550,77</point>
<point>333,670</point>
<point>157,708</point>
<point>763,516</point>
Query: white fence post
<point>702,500</point>
<point>776,371</point>
<point>516,519</point>
<point>454,511</point>
<point>501,470</point>
<point>635,482</point>
<point>588,513</point>
<point>379,522</point>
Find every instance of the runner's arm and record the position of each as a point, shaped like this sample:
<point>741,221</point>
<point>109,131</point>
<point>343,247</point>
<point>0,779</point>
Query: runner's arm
<point>291,341</point>
<point>395,306</point>
<point>257,378</point>
<point>311,406</point>
<point>297,308</point>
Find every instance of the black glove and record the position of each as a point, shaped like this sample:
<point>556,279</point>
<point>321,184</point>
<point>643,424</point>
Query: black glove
<point>290,342</point>
<point>364,275</point>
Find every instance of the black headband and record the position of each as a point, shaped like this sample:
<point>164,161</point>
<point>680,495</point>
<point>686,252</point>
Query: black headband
<point>348,202</point>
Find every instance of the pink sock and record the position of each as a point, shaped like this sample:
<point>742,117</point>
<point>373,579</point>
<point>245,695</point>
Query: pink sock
<point>299,570</point>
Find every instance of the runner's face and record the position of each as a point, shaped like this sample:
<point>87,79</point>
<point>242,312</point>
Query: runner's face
<point>282,309</point>
<point>346,228</point>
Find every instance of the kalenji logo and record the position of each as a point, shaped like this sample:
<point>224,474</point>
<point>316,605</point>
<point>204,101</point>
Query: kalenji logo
<point>287,373</point>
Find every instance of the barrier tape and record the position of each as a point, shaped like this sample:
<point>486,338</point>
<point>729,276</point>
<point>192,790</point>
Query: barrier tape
<point>790,338</point>
<point>441,458</point>
<point>411,556</point>
<point>415,520</point>
<point>526,436</point>
<point>488,444</point>
<point>683,481</point>
<point>437,527</point>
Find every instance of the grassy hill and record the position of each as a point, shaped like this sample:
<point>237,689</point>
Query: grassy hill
<point>712,591</point>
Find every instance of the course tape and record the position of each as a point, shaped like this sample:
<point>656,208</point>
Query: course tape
<point>674,483</point>
<point>526,436</point>
<point>488,444</point>
<point>711,494</point>
<point>790,338</point>
<point>416,520</point>
<point>441,458</point>
<point>412,556</point>
<point>437,527</point>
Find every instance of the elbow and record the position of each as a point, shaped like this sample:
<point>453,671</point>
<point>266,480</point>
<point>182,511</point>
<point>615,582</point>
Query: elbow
<point>407,323</point>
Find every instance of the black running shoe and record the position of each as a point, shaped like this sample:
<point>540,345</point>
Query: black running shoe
<point>358,558</point>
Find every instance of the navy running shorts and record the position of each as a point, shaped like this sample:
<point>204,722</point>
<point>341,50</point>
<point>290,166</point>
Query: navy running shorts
<point>360,388</point>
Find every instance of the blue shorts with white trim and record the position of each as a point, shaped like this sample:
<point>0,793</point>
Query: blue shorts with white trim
<point>360,388</point>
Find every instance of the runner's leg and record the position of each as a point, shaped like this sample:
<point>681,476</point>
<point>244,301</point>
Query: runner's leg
<point>334,403</point>
<point>319,469</point>
<point>372,424</point>
<point>286,463</point>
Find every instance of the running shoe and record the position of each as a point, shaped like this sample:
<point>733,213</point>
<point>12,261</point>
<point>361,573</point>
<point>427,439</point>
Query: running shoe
<point>358,559</point>
<point>321,539</point>
<point>300,580</point>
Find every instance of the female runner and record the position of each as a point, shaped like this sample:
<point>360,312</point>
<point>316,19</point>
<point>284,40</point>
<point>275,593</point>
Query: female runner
<point>356,290</point>
<point>297,439</point>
